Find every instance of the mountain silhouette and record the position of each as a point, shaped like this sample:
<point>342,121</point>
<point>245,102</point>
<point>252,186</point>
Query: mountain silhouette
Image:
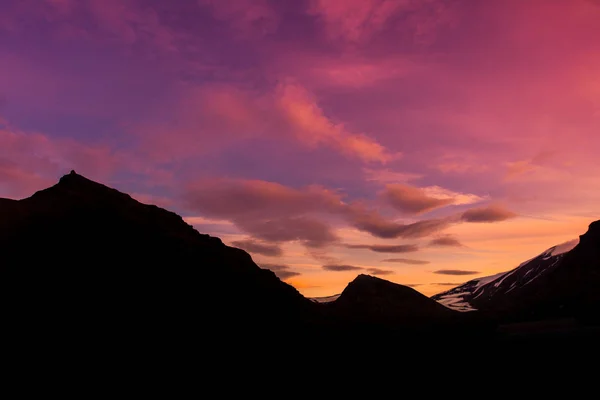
<point>561,282</point>
<point>85,266</point>
<point>82,257</point>
<point>372,299</point>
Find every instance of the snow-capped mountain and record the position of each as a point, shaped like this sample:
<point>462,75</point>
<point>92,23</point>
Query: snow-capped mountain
<point>479,293</point>
<point>325,299</point>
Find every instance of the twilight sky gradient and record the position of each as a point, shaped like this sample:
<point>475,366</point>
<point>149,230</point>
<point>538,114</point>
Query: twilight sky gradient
<point>424,141</point>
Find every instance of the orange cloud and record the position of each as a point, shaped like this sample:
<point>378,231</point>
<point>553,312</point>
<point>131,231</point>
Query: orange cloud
<point>314,128</point>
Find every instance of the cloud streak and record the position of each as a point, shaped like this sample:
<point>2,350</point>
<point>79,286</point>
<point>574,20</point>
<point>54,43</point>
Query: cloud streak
<point>277,213</point>
<point>340,267</point>
<point>406,261</point>
<point>412,200</point>
<point>379,271</point>
<point>455,272</point>
<point>488,214</point>
<point>315,129</point>
<point>381,248</point>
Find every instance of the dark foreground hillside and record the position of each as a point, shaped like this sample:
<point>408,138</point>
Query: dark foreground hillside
<point>89,272</point>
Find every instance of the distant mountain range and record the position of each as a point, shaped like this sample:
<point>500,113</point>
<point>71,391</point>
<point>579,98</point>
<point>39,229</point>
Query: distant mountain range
<point>85,263</point>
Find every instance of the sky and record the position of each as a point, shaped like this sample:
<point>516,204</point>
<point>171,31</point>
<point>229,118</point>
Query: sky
<point>426,142</point>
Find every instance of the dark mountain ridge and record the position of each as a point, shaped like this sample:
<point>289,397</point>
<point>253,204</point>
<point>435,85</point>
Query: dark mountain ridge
<point>82,255</point>
<point>87,266</point>
<point>561,282</point>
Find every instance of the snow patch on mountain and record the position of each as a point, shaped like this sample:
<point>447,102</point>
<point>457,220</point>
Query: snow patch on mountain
<point>460,297</point>
<point>564,247</point>
<point>326,299</point>
<point>456,302</point>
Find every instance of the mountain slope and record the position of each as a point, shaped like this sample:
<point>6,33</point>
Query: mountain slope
<point>562,281</point>
<point>464,297</point>
<point>83,256</point>
<point>377,303</point>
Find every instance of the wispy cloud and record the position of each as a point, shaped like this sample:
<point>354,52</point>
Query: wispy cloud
<point>382,248</point>
<point>447,240</point>
<point>315,129</point>
<point>406,261</point>
<point>379,271</point>
<point>414,200</point>
<point>341,267</point>
<point>488,214</point>
<point>455,272</point>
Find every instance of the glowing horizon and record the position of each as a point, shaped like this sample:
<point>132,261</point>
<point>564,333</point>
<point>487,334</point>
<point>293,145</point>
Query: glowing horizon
<point>425,142</point>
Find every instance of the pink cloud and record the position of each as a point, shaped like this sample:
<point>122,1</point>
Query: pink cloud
<point>233,198</point>
<point>310,231</point>
<point>33,160</point>
<point>385,176</point>
<point>277,213</point>
<point>215,116</point>
<point>267,210</point>
<point>18,183</point>
<point>413,200</point>
<point>380,227</point>
<point>314,128</point>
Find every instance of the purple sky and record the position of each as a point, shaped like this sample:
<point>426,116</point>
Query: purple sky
<point>326,137</point>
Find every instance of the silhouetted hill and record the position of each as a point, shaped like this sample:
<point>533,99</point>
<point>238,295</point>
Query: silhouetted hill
<point>87,267</point>
<point>372,299</point>
<point>374,306</point>
<point>82,257</point>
